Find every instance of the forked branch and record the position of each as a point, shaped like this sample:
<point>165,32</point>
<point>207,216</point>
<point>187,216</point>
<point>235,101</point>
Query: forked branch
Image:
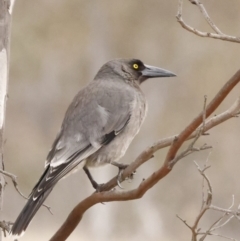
<point>227,214</point>
<point>218,33</point>
<point>176,142</point>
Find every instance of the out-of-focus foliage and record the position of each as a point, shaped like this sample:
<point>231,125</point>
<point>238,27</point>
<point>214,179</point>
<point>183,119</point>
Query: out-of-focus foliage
<point>57,46</point>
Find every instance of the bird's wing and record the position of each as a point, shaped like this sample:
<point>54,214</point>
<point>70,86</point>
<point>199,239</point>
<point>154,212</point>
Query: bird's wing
<point>96,111</point>
<point>97,114</point>
<point>93,119</point>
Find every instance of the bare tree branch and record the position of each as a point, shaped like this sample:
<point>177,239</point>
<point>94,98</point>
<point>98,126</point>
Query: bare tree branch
<point>228,214</point>
<point>212,106</point>
<point>206,16</point>
<point>222,236</point>
<point>184,221</point>
<point>190,149</point>
<point>218,33</point>
<point>114,195</point>
<point>15,183</point>
<point>5,226</point>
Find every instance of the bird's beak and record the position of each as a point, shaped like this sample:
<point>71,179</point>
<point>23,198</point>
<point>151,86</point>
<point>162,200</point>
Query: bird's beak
<point>154,72</point>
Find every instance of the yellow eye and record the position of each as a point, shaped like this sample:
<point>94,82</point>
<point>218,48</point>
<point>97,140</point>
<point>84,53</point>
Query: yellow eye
<point>135,66</point>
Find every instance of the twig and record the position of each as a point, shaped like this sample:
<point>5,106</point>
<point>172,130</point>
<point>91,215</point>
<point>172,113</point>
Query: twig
<point>5,226</point>
<point>206,202</point>
<point>233,111</point>
<point>14,181</point>
<point>228,210</point>
<point>190,149</point>
<point>217,35</point>
<point>204,115</point>
<point>207,205</point>
<point>208,19</point>
<point>202,172</point>
<point>223,224</point>
<point>205,168</point>
<point>222,236</point>
<point>184,221</point>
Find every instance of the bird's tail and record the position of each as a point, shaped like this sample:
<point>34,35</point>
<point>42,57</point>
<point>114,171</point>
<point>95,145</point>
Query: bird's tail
<point>42,189</point>
<point>28,212</point>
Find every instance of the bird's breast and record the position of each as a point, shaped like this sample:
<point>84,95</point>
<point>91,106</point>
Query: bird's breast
<point>119,145</point>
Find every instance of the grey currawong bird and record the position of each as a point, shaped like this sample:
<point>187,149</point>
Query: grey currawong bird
<point>98,127</point>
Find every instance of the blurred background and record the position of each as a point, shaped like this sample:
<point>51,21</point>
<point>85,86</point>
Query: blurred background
<point>56,48</point>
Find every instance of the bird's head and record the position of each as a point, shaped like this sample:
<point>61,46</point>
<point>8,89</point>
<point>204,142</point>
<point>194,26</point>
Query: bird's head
<point>132,70</point>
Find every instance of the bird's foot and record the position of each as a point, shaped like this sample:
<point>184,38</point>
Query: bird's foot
<point>98,187</point>
<point>121,168</point>
<point>119,178</point>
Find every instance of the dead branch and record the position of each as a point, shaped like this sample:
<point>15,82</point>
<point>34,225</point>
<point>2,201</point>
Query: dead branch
<point>223,220</point>
<point>5,226</point>
<point>218,33</point>
<point>190,149</point>
<point>15,184</point>
<point>114,195</point>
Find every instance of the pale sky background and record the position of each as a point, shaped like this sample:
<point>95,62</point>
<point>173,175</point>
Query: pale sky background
<point>56,48</point>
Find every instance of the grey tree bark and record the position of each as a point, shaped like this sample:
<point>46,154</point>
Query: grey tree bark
<point>5,24</point>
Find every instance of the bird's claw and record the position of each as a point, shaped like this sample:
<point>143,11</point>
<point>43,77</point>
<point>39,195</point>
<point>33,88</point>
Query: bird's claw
<point>121,168</point>
<point>119,178</point>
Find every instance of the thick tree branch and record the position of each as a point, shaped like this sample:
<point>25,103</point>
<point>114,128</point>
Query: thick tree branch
<point>189,132</point>
<point>4,45</point>
<point>217,35</point>
<point>5,22</point>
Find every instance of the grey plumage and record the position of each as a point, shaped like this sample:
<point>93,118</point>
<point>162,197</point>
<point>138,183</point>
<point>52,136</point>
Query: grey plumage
<point>98,127</point>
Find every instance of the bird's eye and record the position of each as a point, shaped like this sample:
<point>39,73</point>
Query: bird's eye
<point>135,66</point>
